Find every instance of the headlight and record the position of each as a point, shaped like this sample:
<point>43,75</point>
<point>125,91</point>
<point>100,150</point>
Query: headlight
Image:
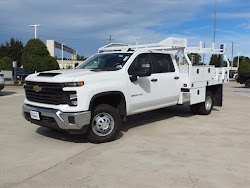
<point>74,84</point>
<point>71,98</point>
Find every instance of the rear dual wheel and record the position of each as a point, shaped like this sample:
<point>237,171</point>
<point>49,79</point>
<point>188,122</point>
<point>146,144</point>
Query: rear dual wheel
<point>203,108</point>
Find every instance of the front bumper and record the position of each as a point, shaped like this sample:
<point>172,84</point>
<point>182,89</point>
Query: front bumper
<point>58,120</point>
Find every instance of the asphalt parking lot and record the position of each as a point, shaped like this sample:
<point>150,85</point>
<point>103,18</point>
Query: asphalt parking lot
<point>164,148</point>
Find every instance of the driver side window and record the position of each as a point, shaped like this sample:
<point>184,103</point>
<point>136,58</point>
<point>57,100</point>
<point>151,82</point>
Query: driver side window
<point>142,58</point>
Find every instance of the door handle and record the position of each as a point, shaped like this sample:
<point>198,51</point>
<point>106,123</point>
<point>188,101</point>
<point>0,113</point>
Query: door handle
<point>154,80</point>
<point>176,77</point>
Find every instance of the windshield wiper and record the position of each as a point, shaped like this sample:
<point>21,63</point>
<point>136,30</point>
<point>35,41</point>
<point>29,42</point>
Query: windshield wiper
<point>96,70</point>
<point>105,69</point>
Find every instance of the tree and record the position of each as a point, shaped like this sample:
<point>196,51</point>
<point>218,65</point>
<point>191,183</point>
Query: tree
<point>244,66</point>
<point>13,50</point>
<point>215,60</point>
<point>235,61</point>
<point>195,59</point>
<point>80,58</point>
<point>37,58</point>
<point>5,63</point>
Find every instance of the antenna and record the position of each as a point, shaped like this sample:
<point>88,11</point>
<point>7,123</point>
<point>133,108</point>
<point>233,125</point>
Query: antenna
<point>35,26</point>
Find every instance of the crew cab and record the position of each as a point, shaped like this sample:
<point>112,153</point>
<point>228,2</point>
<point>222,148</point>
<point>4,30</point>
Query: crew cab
<point>119,81</point>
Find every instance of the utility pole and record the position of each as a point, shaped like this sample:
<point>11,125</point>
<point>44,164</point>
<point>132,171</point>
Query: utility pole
<point>35,26</point>
<point>215,7</point>
<point>110,39</point>
<point>232,63</point>
<point>62,57</point>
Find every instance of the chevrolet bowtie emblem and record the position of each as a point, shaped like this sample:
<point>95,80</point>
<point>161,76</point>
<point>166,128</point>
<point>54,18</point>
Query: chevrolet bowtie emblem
<point>37,88</point>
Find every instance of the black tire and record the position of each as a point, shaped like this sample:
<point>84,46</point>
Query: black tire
<point>247,83</point>
<point>194,108</point>
<point>203,108</point>
<point>105,124</point>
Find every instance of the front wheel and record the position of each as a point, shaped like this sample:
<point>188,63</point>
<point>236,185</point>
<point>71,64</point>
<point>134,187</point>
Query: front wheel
<point>205,108</point>
<point>105,124</point>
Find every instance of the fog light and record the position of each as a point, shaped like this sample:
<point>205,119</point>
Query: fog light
<point>71,120</point>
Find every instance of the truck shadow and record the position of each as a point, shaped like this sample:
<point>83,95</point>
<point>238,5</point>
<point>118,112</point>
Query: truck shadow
<point>239,87</point>
<point>132,122</point>
<point>60,135</point>
<point>156,115</point>
<point>64,136</point>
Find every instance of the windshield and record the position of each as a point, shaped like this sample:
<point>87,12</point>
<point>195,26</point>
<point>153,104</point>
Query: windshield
<point>106,62</point>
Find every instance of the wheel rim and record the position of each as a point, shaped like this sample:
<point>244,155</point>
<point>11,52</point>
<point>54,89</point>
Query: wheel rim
<point>208,103</point>
<point>103,124</point>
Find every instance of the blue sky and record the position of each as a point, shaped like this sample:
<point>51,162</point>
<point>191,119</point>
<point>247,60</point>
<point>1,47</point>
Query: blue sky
<point>86,25</point>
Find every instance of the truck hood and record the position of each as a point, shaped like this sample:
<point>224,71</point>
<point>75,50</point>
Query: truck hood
<point>58,76</point>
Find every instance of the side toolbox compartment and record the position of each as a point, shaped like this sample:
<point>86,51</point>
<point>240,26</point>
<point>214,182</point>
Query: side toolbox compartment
<point>197,95</point>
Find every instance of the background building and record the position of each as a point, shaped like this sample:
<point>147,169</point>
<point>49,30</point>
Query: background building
<point>63,63</point>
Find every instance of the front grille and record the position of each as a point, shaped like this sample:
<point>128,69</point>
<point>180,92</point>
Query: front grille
<point>50,93</point>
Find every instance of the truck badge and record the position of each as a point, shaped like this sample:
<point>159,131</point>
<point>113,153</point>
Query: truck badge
<point>37,88</point>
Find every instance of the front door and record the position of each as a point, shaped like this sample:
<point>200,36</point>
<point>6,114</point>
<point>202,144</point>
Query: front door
<point>143,92</point>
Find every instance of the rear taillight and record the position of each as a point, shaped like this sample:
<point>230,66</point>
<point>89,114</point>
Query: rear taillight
<point>238,75</point>
<point>1,75</point>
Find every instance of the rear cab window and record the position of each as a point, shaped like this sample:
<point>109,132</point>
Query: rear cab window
<point>162,63</point>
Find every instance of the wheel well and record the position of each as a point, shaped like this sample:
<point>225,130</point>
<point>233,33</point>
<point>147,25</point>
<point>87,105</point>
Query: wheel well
<point>217,91</point>
<point>115,99</point>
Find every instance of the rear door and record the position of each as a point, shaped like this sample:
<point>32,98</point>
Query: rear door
<point>167,74</point>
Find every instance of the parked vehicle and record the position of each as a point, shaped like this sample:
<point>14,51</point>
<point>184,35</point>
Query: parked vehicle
<point>119,81</point>
<point>232,73</point>
<point>244,78</point>
<point>1,81</point>
<point>235,75</point>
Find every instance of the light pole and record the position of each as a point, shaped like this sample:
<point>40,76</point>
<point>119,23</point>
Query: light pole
<point>62,57</point>
<point>215,7</point>
<point>35,26</point>
<point>137,40</point>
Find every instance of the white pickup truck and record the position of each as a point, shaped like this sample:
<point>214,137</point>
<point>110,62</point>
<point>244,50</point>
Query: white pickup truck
<point>123,80</point>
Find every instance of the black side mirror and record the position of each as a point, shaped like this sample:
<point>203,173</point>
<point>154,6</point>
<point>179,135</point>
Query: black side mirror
<point>144,69</point>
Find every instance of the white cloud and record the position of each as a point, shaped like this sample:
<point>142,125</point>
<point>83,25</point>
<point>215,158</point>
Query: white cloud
<point>234,15</point>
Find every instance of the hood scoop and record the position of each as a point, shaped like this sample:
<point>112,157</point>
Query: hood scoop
<point>51,74</point>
